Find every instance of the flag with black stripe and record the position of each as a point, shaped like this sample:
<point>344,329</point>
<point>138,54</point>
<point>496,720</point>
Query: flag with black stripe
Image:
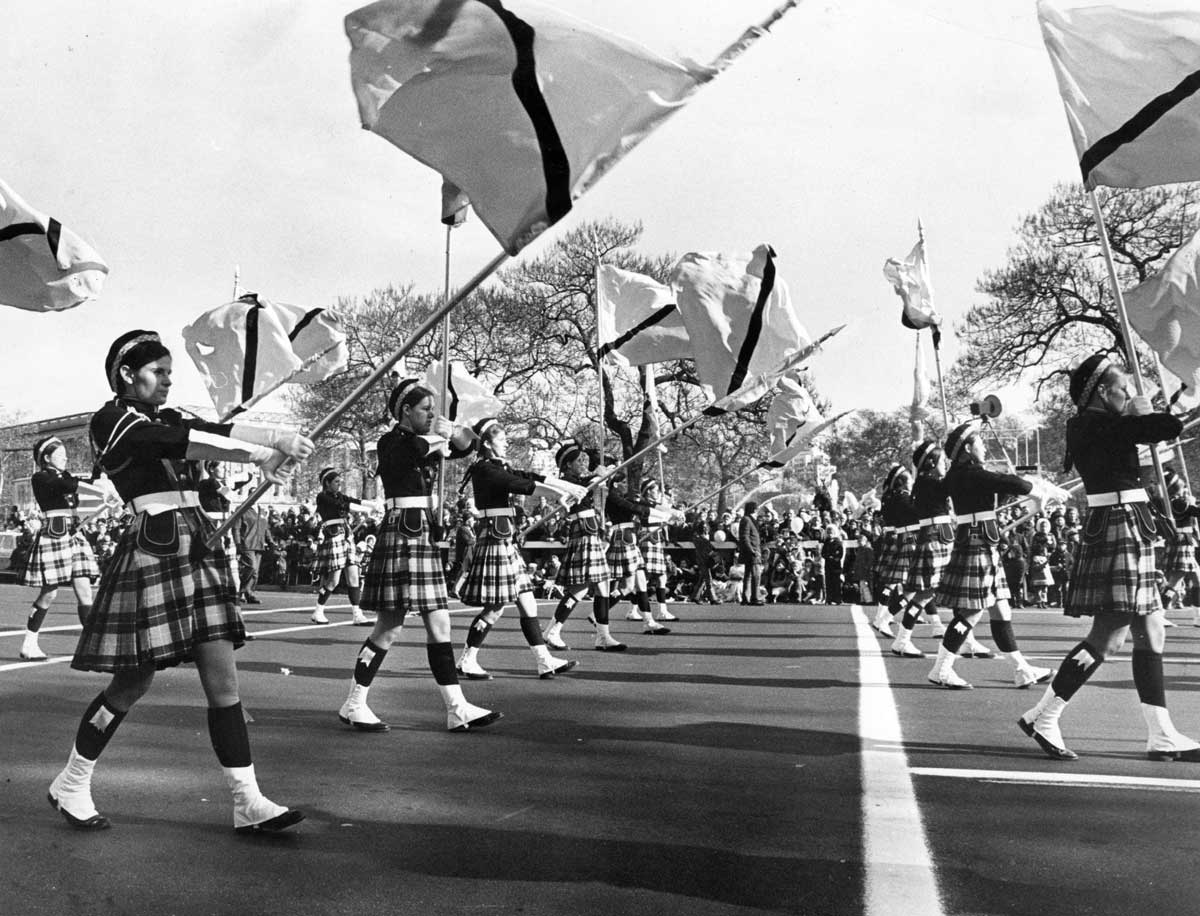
<point>44,266</point>
<point>637,321</point>
<point>520,106</point>
<point>468,398</point>
<point>1129,76</point>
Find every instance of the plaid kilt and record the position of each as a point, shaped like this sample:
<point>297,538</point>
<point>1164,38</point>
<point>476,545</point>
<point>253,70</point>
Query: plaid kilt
<point>1180,558</point>
<point>901,557</point>
<point>930,557</point>
<point>404,572</point>
<point>56,561</point>
<point>974,578</point>
<point>153,609</point>
<point>333,553</point>
<point>653,555</point>
<point>623,556</point>
<point>1114,567</point>
<point>497,574</point>
<point>584,560</point>
<point>884,553</point>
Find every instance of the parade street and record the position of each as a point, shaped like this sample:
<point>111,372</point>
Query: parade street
<point>758,759</point>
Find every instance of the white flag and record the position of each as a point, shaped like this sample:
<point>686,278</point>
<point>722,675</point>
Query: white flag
<point>637,321</point>
<point>758,386</point>
<point>910,279</point>
<point>44,266</point>
<point>468,398</point>
<point>1128,73</point>
<point>790,409</point>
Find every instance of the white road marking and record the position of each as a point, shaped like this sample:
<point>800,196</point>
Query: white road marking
<point>1064,779</point>
<point>900,878</point>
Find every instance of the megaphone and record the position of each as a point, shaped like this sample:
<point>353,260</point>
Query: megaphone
<point>989,408</point>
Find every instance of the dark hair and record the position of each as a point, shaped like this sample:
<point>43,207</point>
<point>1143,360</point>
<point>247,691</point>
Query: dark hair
<point>484,445</point>
<point>407,396</point>
<point>143,352</point>
<point>751,507</point>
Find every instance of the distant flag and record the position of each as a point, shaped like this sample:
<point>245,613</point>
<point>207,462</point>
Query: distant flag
<point>760,384</point>
<point>910,278</point>
<point>468,398</point>
<point>44,266</point>
<point>1128,73</point>
<point>739,316</point>
<point>802,439</point>
<point>454,205</point>
<point>1165,311</point>
<point>247,348</point>
<point>791,407</point>
<point>519,105</point>
<point>637,319</point>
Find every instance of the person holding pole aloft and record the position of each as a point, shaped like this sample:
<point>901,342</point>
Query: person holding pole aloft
<point>1180,568</point>
<point>585,563</point>
<point>59,555</point>
<point>974,581</point>
<point>900,514</point>
<point>405,571</point>
<point>651,538</point>
<point>335,553</point>
<point>497,575</point>
<point>165,599</point>
<point>1113,580</point>
<point>627,567</point>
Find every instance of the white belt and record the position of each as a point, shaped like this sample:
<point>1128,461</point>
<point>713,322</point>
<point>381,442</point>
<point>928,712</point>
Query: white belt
<point>58,513</point>
<point>1118,497</point>
<point>157,503</point>
<point>217,516</point>
<point>620,525</point>
<point>584,513</point>
<point>908,528</point>
<point>411,502</point>
<point>332,522</point>
<point>889,529</point>
<point>970,518</point>
<point>937,520</point>
<point>498,513</point>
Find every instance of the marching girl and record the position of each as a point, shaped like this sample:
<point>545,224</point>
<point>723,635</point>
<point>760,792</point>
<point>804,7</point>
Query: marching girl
<point>336,555</point>
<point>627,567</point>
<point>1179,563</point>
<point>651,539</point>
<point>1113,579</point>
<point>973,581</point>
<point>931,552</point>
<point>585,563</point>
<point>891,569</point>
<point>405,571</point>
<point>162,600</point>
<point>58,555</point>
<point>214,500</point>
<point>497,574</point>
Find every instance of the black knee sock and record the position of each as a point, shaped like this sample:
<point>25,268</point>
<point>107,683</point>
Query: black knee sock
<point>911,612</point>
<point>354,593</point>
<point>84,611</point>
<point>660,593</point>
<point>565,605</point>
<point>1148,677</point>
<point>614,599</point>
<point>643,603</point>
<point>323,596</point>
<point>1079,665</point>
<point>370,657</point>
<point>478,632</point>
<point>34,622</point>
<point>96,727</point>
<point>1003,635</point>
<point>956,634</point>
<point>227,729</point>
<point>600,608</point>
<point>895,602</point>
<point>441,663</point>
<point>531,631</point>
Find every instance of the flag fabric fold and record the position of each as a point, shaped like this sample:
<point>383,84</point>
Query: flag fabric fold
<point>790,409</point>
<point>637,321</point>
<point>761,383</point>
<point>1165,311</point>
<point>247,348</point>
<point>1129,76</point>
<point>519,105</point>
<point>468,398</point>
<point>454,205</point>
<point>802,439</point>
<point>44,266</point>
<point>910,278</point>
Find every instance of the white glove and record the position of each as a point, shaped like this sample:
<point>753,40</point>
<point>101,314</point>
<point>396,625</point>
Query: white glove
<point>288,441</point>
<point>661,516</point>
<point>1138,406</point>
<point>442,427</point>
<point>276,467</point>
<point>562,490</point>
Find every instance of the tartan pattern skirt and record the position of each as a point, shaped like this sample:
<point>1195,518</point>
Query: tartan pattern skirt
<point>896,569</point>
<point>1114,568</point>
<point>497,574</point>
<point>653,555</point>
<point>623,556</point>
<point>930,557</point>
<point>333,553</point>
<point>56,561</point>
<point>404,573</point>
<point>974,578</point>
<point>883,556</point>
<point>584,560</point>
<point>153,609</point>
<point>1180,557</point>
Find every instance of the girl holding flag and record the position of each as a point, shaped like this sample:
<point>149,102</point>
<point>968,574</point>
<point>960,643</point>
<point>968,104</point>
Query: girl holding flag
<point>336,556</point>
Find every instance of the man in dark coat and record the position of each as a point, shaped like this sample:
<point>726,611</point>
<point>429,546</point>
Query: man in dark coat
<point>750,554</point>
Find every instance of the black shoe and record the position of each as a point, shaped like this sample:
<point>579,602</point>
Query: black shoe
<point>1191,755</point>
<point>365,726</point>
<point>472,676</point>
<point>617,647</point>
<point>252,599</point>
<point>95,822</point>
<point>657,631</point>
<point>1049,748</point>
<point>561,669</point>
<point>289,818</point>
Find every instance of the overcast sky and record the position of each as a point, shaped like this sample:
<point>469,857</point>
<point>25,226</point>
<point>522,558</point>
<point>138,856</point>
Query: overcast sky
<point>184,139</point>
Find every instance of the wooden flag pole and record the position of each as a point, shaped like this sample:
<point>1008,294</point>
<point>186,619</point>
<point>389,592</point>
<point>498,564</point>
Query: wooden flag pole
<point>441,494</point>
<point>600,430</point>
<point>365,385</point>
<point>1178,446</point>
<point>1127,335</point>
<point>936,334</point>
